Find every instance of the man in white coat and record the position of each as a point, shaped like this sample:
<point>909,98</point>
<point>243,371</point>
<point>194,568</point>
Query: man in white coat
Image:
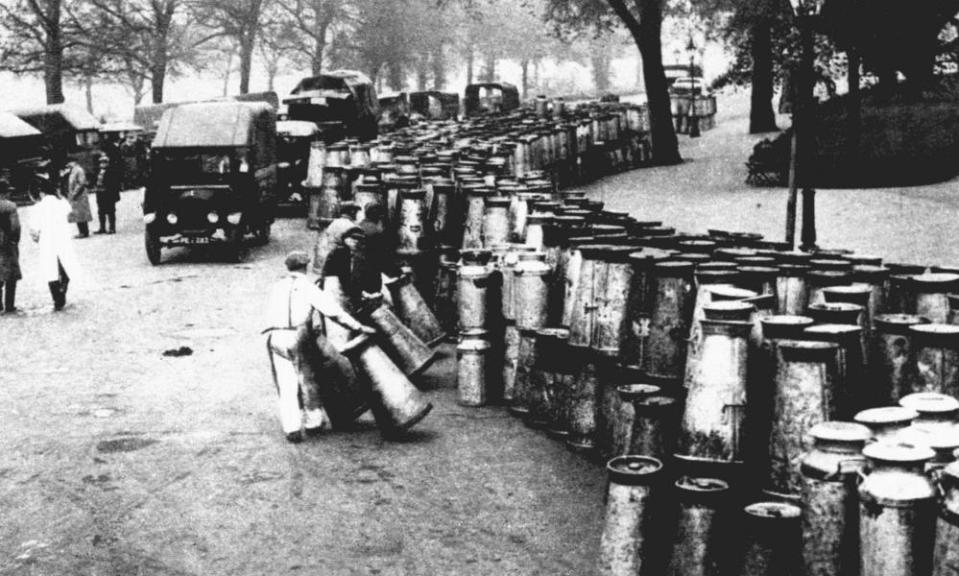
<point>50,229</point>
<point>289,309</point>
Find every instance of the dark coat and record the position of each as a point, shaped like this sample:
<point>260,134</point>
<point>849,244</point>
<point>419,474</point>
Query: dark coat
<point>379,250</point>
<point>9,242</point>
<point>355,274</point>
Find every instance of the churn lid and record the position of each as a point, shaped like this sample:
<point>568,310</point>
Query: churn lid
<point>886,416</point>
<point>758,261</point>
<point>930,404</point>
<point>833,332</point>
<point>870,274</point>
<point>855,294</point>
<point>898,452</point>
<point>897,323</point>
<point>836,431</point>
<point>497,201</point>
<point>701,489</point>
<point>784,326</point>
<point>728,310</point>
<point>634,470</point>
<point>899,269</point>
<point>936,335</point>
<point>726,293</point>
<point>697,258</point>
<point>937,281</point>
<point>773,512</point>
<point>832,264</point>
<point>835,312</point>
<point>734,252</point>
<point>630,392</point>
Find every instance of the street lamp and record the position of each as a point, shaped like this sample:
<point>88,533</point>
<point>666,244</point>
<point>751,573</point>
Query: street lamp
<point>692,119</point>
<point>807,13</point>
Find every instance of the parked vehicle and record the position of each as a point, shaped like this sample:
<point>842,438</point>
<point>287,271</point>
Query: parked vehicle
<point>214,174</point>
<point>434,105</point>
<point>394,111</point>
<point>68,131</point>
<point>133,151</point>
<point>294,139</point>
<point>21,155</point>
<point>342,103</point>
<point>490,98</point>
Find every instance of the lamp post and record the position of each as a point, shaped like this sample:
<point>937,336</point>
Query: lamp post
<point>807,13</point>
<point>693,117</point>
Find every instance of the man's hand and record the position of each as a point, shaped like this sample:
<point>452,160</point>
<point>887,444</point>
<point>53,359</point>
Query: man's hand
<point>367,329</point>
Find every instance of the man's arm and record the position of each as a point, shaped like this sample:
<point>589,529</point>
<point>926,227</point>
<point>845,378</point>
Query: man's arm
<point>326,305</point>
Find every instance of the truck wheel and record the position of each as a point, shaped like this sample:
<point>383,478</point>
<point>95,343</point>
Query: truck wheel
<point>263,233</point>
<point>238,250</point>
<point>152,245</point>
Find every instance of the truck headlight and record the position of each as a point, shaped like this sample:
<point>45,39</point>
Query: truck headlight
<point>234,218</point>
<point>212,217</point>
<point>149,218</point>
<point>172,218</point>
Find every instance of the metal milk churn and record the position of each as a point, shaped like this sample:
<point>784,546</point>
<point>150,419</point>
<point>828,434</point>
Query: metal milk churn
<point>936,358</point>
<point>760,279</point>
<point>830,499</point>
<point>582,408</point>
<point>859,295</point>
<point>877,279</point>
<point>316,163</point>
<point>444,294</point>
<point>443,216</point>
<point>946,555</point>
<point>338,155</point>
<point>953,317</point>
<point>475,208</point>
<point>817,280</point>
<point>630,515</point>
<point>410,353</point>
<point>495,224</point>
<point>639,306</point>
<point>712,428</point>
<point>936,412</point>
<point>536,230</point>
<point>791,289</point>
<point>410,307</point>
<point>583,310</point>
<point>619,426</point>
<point>834,313</point>
<point>852,389</point>
<point>611,295</point>
<point>370,193</point>
<point>773,539</point>
<point>897,511</point>
<point>891,371</point>
<point>412,234</point>
<point>930,291</point>
<point>656,417</point>
<point>519,405</point>
<point>336,333</point>
<point>396,404</point>
<point>552,379</point>
<point>471,289</point>
<point>704,297</point>
<point>900,297</point>
<point>471,368</point>
<point>803,392</point>
<point>665,352</point>
<point>510,364</point>
<point>325,201</point>
<point>701,546</point>
<point>530,291</point>
<point>573,260</point>
<point>886,423</point>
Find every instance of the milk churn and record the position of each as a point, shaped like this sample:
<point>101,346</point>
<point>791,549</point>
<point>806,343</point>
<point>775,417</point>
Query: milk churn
<point>953,317</point>
<point>583,398</point>
<point>611,294</point>
<point>552,379</point>
<point>360,155</point>
<point>325,201</point>
<point>443,214</point>
<point>946,553</point>
<point>475,208</point>
<point>396,404</point>
<point>702,544</point>
<point>803,392</point>
<point>818,279</point>
<point>412,235</point>
<point>316,163</point>
<point>471,368</point>
<point>712,427</point>
<point>639,307</point>
<point>410,307</point>
<point>897,511</point>
<point>830,500</point>
<point>471,289</point>
<point>900,298</point>
<point>852,389</point>
<point>936,411</point>
<point>510,364</point>
<point>772,540</point>
<point>706,294</point>
<point>619,426</point>
<point>890,370</point>
<point>519,405</point>
<point>583,309</point>
<point>530,291</point>
<point>336,333</point>
<point>886,423</point>
<point>368,194</point>
<point>930,291</point>
<point>936,354</point>
<point>630,515</point>
<point>495,225</point>
<point>537,226</point>
<point>759,279</point>
<point>656,417</point>
<point>859,295</point>
<point>444,296</point>
<point>791,289</point>
<point>834,313</point>
<point>411,354</point>
<point>877,279</point>
<point>665,352</point>
<point>338,155</point>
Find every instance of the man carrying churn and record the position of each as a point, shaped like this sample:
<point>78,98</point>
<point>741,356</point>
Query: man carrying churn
<point>9,249</point>
<point>291,342</point>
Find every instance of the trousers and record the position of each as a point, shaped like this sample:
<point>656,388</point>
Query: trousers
<point>298,395</point>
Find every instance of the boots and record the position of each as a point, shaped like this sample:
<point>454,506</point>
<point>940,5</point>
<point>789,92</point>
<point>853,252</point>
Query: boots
<point>112,221</point>
<point>103,228</point>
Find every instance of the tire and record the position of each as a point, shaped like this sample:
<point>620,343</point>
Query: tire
<point>151,241</point>
<point>263,233</point>
<point>237,249</point>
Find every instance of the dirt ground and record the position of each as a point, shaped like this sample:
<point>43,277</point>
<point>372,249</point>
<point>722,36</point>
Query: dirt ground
<point>118,460</point>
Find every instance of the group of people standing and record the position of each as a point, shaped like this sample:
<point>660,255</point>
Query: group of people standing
<point>74,186</point>
<point>302,361</point>
<point>64,200</point>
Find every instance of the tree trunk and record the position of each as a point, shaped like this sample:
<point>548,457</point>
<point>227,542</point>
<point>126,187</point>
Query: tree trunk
<point>53,66</point>
<point>489,69</point>
<point>158,78</point>
<point>439,68</point>
<point>394,76</point>
<point>246,60</point>
<point>316,64</point>
<point>647,35</point>
<point>422,72</point>
<point>88,92</point>
<point>226,73</point>
<point>469,65</point>
<point>854,112</point>
<point>524,64</point>
<point>761,115</point>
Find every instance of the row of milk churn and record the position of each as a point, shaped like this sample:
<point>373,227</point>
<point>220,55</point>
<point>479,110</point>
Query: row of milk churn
<point>822,388</point>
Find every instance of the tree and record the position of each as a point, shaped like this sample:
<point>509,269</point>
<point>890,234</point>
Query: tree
<point>312,22</point>
<point>643,19</point>
<point>36,41</point>
<point>236,19</point>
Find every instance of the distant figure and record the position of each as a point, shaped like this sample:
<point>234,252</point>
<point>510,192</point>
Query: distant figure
<point>109,182</point>
<point>134,158</point>
<point>50,230</point>
<point>74,189</point>
<point>291,341</point>
<point>9,249</point>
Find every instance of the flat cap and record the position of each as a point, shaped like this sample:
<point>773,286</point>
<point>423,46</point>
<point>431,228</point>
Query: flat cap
<point>297,260</point>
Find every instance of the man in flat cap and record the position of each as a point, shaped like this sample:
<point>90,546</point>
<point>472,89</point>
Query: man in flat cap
<point>290,334</point>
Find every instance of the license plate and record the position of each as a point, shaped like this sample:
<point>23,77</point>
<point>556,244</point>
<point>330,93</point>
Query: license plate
<point>198,239</point>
